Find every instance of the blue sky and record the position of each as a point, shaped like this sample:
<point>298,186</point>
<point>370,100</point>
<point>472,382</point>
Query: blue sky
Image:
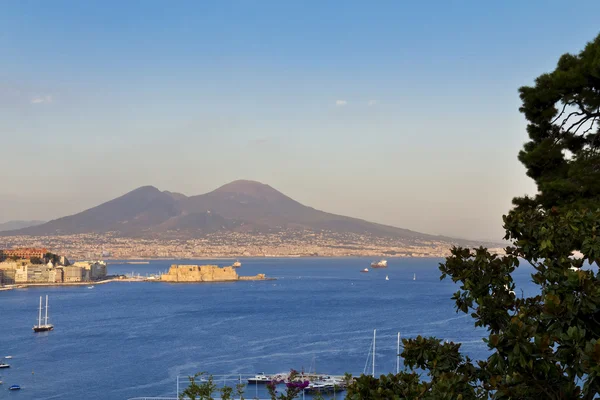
<point>399,112</point>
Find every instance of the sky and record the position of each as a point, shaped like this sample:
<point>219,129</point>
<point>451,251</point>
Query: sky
<point>398,112</point>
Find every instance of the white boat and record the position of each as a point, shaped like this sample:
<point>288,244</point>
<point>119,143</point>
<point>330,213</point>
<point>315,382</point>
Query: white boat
<point>379,264</point>
<point>364,270</point>
<point>260,378</point>
<point>8,357</point>
<point>91,287</point>
<point>414,277</point>
<point>3,365</point>
<point>387,278</point>
<point>45,326</point>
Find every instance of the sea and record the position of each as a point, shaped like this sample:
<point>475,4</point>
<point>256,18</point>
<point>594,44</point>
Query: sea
<point>124,340</point>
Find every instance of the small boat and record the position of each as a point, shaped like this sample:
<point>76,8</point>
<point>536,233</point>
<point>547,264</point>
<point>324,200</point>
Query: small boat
<point>236,264</point>
<point>14,387</point>
<point>3,365</point>
<point>8,357</point>
<point>91,287</point>
<point>387,278</point>
<point>414,277</point>
<point>364,270</point>
<point>260,378</point>
<point>45,327</point>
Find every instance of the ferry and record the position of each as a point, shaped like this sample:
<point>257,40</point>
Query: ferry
<point>260,378</point>
<point>379,264</point>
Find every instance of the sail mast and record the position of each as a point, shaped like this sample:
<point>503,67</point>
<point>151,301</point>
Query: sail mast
<point>40,313</point>
<point>46,319</point>
<point>398,355</point>
<point>374,334</point>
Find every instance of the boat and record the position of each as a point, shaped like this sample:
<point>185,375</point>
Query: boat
<point>14,387</point>
<point>3,365</point>
<point>91,287</point>
<point>45,327</point>
<point>260,378</point>
<point>364,270</point>
<point>414,277</point>
<point>387,278</point>
<point>323,387</point>
<point>236,264</point>
<point>379,264</point>
<point>8,357</point>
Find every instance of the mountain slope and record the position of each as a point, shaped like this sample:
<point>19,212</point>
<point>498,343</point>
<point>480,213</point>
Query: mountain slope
<point>131,213</point>
<point>240,206</point>
<point>12,225</point>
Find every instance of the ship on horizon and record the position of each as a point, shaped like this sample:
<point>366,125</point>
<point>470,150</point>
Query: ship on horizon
<point>379,264</point>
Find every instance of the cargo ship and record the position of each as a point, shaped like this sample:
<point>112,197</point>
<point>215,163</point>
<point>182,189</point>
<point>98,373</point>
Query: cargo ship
<point>379,264</point>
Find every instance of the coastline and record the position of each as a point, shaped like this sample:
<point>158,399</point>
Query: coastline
<point>105,281</point>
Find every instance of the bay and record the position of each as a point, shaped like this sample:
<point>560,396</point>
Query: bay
<point>123,340</point>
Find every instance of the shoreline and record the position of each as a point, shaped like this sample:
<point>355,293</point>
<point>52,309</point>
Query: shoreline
<point>105,281</point>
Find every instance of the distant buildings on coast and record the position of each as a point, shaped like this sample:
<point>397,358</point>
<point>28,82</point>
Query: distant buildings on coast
<point>37,265</point>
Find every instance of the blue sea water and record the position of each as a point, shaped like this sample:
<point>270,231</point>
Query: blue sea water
<point>122,340</point>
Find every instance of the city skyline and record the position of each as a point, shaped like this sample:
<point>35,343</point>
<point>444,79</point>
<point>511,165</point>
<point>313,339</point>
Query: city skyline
<point>394,114</point>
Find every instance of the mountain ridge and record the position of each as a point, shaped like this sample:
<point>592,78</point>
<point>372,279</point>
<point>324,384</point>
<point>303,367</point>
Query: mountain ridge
<point>239,206</point>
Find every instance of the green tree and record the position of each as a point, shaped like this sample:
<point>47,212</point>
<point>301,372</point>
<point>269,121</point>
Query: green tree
<point>199,391</point>
<point>545,346</point>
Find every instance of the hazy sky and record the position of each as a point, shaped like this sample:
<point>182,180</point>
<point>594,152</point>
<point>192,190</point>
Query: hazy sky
<point>399,112</point>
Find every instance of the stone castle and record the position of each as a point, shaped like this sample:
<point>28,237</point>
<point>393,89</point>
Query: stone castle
<point>205,273</point>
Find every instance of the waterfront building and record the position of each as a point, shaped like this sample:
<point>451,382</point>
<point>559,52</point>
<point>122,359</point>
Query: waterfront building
<point>93,269</point>
<point>38,273</point>
<point>8,276</point>
<point>58,275</point>
<point>21,274</point>
<point>72,274</point>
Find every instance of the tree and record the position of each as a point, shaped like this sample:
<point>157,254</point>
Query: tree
<point>546,346</point>
<point>200,391</point>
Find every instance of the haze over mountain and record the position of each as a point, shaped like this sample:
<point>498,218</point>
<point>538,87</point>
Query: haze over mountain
<point>240,206</point>
<point>12,225</point>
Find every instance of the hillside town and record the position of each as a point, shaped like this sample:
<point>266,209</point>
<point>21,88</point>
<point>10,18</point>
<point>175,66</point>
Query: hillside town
<point>31,265</point>
<point>235,244</point>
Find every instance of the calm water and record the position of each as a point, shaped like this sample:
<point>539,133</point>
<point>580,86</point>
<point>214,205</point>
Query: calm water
<point>123,340</point>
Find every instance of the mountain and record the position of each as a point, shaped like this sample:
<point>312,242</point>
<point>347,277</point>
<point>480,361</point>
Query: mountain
<point>239,206</point>
<point>11,225</point>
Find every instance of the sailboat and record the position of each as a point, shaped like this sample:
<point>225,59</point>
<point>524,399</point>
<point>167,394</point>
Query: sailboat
<point>46,326</point>
<point>387,278</point>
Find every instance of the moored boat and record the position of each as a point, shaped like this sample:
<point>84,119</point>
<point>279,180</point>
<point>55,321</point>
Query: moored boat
<point>260,378</point>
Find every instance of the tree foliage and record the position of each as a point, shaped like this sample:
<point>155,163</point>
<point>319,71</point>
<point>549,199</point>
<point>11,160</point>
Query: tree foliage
<point>545,346</point>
